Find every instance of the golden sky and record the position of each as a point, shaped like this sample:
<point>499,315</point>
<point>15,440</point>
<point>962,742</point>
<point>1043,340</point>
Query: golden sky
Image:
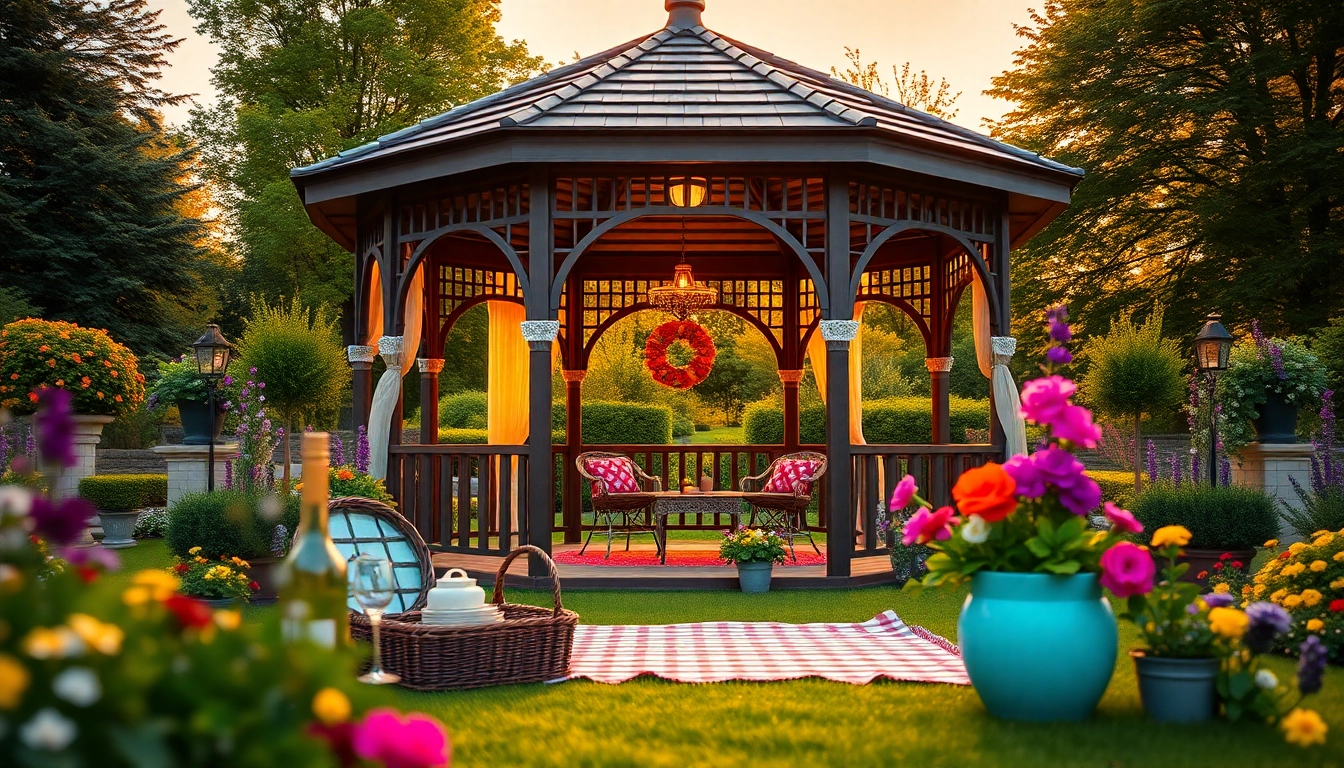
<point>965,41</point>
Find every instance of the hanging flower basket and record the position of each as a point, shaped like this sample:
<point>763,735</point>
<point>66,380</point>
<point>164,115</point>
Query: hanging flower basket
<point>664,371</point>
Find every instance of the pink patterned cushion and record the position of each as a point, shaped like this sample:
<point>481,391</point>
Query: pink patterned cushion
<point>791,472</point>
<point>616,474</point>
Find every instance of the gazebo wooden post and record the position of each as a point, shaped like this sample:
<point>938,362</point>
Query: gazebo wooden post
<point>790,378</point>
<point>430,368</point>
<point>838,330</point>
<point>361,352</point>
<point>573,496</point>
<point>1001,324</point>
<point>791,362</point>
<point>540,330</point>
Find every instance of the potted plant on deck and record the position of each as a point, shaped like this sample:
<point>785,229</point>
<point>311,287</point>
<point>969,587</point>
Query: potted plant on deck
<point>181,385</point>
<point>755,553</point>
<point>1267,382</point>
<point>1037,636</point>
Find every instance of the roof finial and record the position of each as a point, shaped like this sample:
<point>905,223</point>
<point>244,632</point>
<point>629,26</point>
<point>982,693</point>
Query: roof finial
<point>683,14</point>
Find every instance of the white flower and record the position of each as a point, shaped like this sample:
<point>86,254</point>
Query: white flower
<point>49,730</point>
<point>15,500</point>
<point>1266,680</point>
<point>78,685</point>
<point>975,530</point>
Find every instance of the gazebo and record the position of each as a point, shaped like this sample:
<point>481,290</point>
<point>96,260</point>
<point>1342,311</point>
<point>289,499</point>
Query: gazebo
<point>562,201</point>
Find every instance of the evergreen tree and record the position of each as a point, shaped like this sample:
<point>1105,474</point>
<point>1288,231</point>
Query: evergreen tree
<point>1212,132</point>
<point>301,80</point>
<point>89,185</point>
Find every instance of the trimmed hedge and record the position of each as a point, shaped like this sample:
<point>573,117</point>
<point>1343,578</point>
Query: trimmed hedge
<point>121,493</point>
<point>891,420</point>
<point>462,436</point>
<point>1221,517</point>
<point>227,524</point>
<point>682,426</point>
<point>619,423</point>
<point>465,410</point>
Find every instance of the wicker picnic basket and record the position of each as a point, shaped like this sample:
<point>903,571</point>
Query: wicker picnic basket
<point>531,645</point>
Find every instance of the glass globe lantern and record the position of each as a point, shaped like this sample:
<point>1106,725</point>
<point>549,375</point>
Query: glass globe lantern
<point>1212,345</point>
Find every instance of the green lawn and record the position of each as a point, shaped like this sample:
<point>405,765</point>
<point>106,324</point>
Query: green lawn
<point>718,436</point>
<point>654,723</point>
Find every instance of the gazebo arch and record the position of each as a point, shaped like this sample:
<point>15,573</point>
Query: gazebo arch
<point>817,183</point>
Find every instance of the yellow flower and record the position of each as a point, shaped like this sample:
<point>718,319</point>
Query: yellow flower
<point>1296,547</point>
<point>1292,601</point>
<point>161,584</point>
<point>1171,534</point>
<point>1321,532</point>
<point>1228,622</point>
<point>103,638</point>
<point>194,551</point>
<point>1315,625</point>
<point>14,679</point>
<point>228,620</point>
<point>1303,727</point>
<point>1339,556</point>
<point>1310,597</point>
<point>1221,589</point>
<point>1259,590</point>
<point>331,707</point>
<point>53,643</point>
<point>1337,584</point>
<point>1318,565</point>
<point>1323,539</point>
<point>1294,569</point>
<point>1272,543</point>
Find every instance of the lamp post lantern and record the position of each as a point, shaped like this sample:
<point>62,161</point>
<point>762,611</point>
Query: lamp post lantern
<point>1212,347</point>
<point>212,353</point>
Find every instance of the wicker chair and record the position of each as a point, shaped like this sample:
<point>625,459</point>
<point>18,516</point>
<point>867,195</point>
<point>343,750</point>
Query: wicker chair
<point>784,512</point>
<point>628,513</point>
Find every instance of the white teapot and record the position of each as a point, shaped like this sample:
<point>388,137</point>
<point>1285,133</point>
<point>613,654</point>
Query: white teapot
<point>455,593</point>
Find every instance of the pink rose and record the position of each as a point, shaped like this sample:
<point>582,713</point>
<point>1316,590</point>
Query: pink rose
<point>1127,570</point>
<point>1075,425</point>
<point>902,494</point>
<point>925,526</point>
<point>1044,399</point>
<point>415,742</point>
<point>1121,519</point>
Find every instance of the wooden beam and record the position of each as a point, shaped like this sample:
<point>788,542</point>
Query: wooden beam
<point>540,484</point>
<point>839,528</point>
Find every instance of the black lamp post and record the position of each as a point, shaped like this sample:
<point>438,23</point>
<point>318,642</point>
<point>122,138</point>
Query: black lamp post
<point>1212,347</point>
<point>212,361</point>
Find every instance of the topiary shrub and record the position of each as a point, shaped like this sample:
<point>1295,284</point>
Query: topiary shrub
<point>1218,517</point>
<point>122,493</point>
<point>465,410</point>
<point>100,373</point>
<point>229,523</point>
<point>763,423</point>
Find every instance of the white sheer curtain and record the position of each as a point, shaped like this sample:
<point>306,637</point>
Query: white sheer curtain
<point>399,359</point>
<point>993,353</point>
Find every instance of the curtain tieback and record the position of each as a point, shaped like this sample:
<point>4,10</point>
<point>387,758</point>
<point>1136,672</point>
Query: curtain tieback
<point>390,347</point>
<point>1004,348</point>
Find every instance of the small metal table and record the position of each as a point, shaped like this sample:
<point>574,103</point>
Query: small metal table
<point>674,502</point>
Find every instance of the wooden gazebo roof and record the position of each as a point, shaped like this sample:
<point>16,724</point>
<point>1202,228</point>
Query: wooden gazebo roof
<point>684,94</point>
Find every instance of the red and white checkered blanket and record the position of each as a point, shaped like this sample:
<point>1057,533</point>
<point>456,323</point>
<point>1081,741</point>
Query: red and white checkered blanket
<point>713,652</point>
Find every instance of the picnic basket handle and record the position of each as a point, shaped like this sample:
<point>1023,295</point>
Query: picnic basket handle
<point>498,598</point>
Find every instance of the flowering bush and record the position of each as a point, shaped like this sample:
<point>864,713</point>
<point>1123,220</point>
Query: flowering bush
<point>1305,579</point>
<point>179,381</point>
<point>1323,498</point>
<point>1255,369</point>
<point>348,481</point>
<point>751,545</point>
<point>1172,619</point>
<point>37,354</point>
<point>222,579</point>
<point>253,469</point>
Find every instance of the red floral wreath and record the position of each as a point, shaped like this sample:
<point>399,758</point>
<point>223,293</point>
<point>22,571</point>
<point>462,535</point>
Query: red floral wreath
<point>662,369</point>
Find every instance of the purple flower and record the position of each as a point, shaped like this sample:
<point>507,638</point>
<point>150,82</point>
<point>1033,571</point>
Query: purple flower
<point>337,450</point>
<point>1268,621</point>
<point>91,557</point>
<point>261,385</point>
<point>1152,461</point>
<point>1060,331</point>
<point>1059,313</point>
<point>252,370</point>
<point>1029,481</point>
<point>4,450</point>
<point>1276,360</point>
<point>30,442</point>
<point>1217,600</point>
<point>228,475</point>
<point>1311,665</point>
<point>1224,471</point>
<point>1078,493</point>
<point>55,428</point>
<point>60,522</point>
<point>1059,355</point>
<point>152,402</point>
<point>1258,336</point>
<point>362,449</point>
<point>1176,473</point>
<point>228,381</point>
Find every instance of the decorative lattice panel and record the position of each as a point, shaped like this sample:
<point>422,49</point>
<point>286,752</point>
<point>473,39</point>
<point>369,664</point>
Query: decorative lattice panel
<point>501,206</point>
<point>912,285</point>
<point>957,274</point>
<point>606,299</point>
<point>460,285</point>
<point>809,311</point>
<point>880,206</point>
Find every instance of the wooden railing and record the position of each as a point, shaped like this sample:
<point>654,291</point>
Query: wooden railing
<point>877,468</point>
<point>462,498</point>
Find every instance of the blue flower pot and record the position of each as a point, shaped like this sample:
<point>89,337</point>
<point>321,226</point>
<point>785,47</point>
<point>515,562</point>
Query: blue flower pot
<point>754,578</point>
<point>1037,647</point>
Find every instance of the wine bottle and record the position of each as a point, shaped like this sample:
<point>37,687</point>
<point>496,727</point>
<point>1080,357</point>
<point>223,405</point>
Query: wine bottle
<point>313,586</point>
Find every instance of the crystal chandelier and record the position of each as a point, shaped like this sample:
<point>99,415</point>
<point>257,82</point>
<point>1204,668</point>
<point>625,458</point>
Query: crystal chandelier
<point>684,295</point>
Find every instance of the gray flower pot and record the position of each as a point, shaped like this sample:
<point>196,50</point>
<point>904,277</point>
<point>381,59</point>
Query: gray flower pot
<point>118,528</point>
<point>1177,690</point>
<point>754,578</point>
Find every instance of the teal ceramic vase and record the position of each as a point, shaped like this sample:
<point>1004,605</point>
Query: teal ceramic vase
<point>754,578</point>
<point>1037,647</point>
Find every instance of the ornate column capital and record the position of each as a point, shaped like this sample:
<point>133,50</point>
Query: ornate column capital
<point>573,377</point>
<point>839,330</point>
<point>540,334</point>
<point>429,364</point>
<point>939,364</point>
<point>390,348</point>
<point>360,353</point>
<point>791,377</point>
<point>1003,347</point>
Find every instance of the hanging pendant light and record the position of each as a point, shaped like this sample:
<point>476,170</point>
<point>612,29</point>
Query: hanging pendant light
<point>684,295</point>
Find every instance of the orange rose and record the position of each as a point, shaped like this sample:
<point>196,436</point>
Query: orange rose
<point>344,474</point>
<point>985,491</point>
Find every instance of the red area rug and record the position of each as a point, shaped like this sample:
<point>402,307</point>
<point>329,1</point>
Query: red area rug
<point>683,558</point>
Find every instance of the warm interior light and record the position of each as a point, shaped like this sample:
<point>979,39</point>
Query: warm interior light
<point>682,189</point>
<point>684,295</point>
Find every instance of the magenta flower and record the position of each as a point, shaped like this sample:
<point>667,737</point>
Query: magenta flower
<point>1127,570</point>
<point>902,494</point>
<point>925,526</point>
<point>60,522</point>
<point>92,557</point>
<point>1074,424</point>
<point>1045,399</point>
<point>415,742</point>
<point>1029,481</point>
<point>1121,519</point>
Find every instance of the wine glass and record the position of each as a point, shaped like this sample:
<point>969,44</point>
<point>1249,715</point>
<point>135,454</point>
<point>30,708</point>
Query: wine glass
<point>374,589</point>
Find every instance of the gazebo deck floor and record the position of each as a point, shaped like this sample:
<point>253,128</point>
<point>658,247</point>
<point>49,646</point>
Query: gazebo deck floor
<point>864,571</point>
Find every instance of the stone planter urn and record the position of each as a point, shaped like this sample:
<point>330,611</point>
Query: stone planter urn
<point>118,527</point>
<point>88,433</point>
